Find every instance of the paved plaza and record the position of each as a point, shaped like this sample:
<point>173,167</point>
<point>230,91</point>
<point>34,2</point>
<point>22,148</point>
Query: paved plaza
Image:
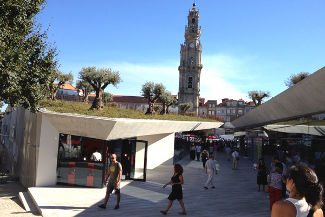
<point>235,195</point>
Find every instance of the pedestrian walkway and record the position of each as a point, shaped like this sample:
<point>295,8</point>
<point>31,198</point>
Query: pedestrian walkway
<point>235,194</point>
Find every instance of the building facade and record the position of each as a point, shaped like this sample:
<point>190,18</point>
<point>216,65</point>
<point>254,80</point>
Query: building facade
<point>190,62</point>
<point>228,110</point>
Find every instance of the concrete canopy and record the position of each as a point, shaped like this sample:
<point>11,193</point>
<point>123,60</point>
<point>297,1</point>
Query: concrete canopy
<point>303,99</point>
<point>119,128</point>
<point>300,129</point>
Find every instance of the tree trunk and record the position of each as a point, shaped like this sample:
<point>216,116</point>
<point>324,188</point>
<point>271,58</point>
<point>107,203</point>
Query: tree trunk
<point>54,96</point>
<point>164,109</point>
<point>98,101</point>
<point>150,109</point>
<point>85,98</point>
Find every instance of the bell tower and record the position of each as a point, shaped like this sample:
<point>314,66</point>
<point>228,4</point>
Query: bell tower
<point>190,62</point>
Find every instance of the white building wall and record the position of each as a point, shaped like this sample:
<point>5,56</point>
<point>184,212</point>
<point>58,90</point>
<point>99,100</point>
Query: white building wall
<point>160,149</point>
<point>47,154</point>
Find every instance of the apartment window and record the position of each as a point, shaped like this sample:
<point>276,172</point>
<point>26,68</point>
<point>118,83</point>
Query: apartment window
<point>218,111</point>
<point>228,111</point>
<point>240,111</point>
<point>234,111</point>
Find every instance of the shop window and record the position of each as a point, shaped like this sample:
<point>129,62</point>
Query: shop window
<point>77,164</point>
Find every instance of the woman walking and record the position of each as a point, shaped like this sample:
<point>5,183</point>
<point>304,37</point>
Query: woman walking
<point>261,174</point>
<point>204,157</point>
<point>305,193</point>
<point>177,193</point>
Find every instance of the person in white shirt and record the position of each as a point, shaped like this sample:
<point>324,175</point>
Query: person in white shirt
<point>210,169</point>
<point>96,156</point>
<point>235,158</point>
<point>198,152</point>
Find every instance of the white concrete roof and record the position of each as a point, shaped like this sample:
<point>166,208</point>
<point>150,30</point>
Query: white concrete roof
<point>304,98</point>
<point>117,128</point>
<point>302,129</point>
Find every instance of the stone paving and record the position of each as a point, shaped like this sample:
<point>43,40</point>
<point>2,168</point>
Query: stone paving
<point>9,202</point>
<point>235,194</point>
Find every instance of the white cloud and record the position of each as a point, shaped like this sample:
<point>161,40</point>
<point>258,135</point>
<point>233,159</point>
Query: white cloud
<point>216,77</point>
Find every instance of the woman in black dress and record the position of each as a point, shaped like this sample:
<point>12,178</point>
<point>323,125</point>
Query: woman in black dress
<point>177,193</point>
<point>261,174</point>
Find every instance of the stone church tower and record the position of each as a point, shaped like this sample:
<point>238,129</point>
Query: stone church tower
<point>190,62</point>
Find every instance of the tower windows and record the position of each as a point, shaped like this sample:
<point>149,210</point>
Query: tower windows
<point>193,21</point>
<point>190,82</point>
<point>192,61</point>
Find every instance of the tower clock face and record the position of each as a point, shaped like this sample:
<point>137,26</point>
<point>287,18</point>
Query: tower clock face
<point>192,45</point>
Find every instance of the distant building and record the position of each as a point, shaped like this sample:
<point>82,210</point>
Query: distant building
<point>226,111</point>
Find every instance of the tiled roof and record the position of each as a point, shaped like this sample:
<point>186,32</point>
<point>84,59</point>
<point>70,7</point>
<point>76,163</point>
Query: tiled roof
<point>129,99</point>
<point>69,87</point>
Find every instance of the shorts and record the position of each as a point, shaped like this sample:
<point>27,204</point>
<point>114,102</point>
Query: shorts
<point>111,187</point>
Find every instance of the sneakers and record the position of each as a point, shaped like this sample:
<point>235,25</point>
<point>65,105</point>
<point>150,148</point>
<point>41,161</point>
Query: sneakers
<point>102,206</point>
<point>213,187</point>
<point>163,212</point>
<point>117,207</point>
<point>182,213</point>
<point>206,188</point>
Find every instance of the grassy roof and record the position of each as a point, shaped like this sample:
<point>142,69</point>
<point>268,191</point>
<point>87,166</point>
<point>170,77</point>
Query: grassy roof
<point>112,112</point>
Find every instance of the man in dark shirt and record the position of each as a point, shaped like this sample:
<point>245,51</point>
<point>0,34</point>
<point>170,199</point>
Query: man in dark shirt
<point>115,175</point>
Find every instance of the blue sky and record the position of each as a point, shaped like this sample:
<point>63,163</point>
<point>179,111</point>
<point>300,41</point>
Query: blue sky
<point>246,45</point>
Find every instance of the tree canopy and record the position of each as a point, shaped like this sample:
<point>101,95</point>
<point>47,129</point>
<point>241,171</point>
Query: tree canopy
<point>167,99</point>
<point>86,89</point>
<point>99,79</point>
<point>295,78</point>
<point>27,61</point>
<point>152,91</point>
<point>257,96</point>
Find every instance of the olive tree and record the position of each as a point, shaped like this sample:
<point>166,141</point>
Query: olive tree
<point>99,79</point>
<point>107,97</point>
<point>152,92</point>
<point>86,89</point>
<point>183,107</point>
<point>295,78</point>
<point>257,96</point>
<point>167,100</point>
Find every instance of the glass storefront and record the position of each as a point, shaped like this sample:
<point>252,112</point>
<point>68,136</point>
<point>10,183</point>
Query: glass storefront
<point>84,161</point>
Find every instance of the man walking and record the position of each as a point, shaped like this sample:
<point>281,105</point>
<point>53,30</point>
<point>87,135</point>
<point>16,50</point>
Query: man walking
<point>210,169</point>
<point>115,175</point>
<point>198,152</point>
<point>235,158</point>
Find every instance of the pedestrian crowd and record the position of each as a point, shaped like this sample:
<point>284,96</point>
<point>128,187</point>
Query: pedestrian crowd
<point>294,191</point>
